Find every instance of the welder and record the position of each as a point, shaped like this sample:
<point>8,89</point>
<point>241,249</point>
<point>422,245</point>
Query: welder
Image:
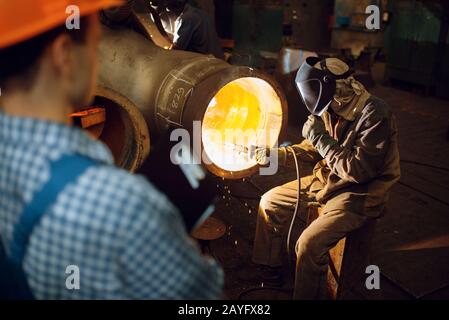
<point>72,225</point>
<point>193,29</point>
<point>351,135</point>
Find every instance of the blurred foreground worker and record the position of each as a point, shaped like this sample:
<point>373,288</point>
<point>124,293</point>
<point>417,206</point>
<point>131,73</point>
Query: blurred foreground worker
<point>74,226</point>
<point>193,29</point>
<point>352,137</point>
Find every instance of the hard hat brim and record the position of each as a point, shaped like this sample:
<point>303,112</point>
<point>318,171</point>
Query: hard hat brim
<point>13,34</point>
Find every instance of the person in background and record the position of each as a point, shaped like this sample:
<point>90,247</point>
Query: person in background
<point>351,136</point>
<point>125,237</point>
<point>193,30</point>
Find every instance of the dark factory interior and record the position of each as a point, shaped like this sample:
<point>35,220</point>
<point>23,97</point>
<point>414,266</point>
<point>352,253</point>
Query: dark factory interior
<point>316,166</point>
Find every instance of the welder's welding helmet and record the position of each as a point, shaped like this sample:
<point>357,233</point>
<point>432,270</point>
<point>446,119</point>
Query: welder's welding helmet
<point>317,86</point>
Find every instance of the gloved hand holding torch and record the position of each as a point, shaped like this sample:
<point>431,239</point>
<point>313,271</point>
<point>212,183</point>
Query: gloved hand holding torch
<point>262,155</point>
<point>315,131</point>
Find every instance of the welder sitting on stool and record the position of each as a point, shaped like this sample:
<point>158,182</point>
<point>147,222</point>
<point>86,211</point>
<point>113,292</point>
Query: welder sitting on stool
<point>352,136</point>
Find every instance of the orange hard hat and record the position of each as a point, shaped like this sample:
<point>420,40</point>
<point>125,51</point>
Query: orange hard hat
<point>21,20</point>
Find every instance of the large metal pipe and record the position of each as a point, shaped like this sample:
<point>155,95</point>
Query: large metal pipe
<point>125,131</point>
<point>174,88</point>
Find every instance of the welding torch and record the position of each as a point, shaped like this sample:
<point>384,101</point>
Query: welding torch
<point>249,151</point>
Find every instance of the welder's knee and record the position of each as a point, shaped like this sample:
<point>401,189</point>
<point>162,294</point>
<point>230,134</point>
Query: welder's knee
<point>266,210</point>
<point>273,200</point>
<point>267,203</point>
<point>311,246</point>
<point>277,206</point>
<point>271,211</point>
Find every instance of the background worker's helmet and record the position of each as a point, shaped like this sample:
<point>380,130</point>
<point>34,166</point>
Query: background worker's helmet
<point>23,20</point>
<point>316,83</point>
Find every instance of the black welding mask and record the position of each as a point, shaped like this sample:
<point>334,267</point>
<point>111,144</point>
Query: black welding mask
<point>317,86</point>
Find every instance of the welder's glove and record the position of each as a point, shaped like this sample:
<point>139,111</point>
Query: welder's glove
<point>315,131</point>
<point>262,155</point>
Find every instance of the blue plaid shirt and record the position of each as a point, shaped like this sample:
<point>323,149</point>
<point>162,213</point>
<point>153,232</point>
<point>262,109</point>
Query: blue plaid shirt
<point>125,237</point>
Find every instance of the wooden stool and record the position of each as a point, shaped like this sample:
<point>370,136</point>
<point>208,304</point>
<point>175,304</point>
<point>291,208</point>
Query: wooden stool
<point>348,259</point>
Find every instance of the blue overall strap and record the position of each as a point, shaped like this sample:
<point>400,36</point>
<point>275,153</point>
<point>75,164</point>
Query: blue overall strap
<point>62,172</point>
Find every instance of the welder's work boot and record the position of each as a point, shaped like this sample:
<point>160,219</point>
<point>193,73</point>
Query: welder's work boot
<point>262,275</point>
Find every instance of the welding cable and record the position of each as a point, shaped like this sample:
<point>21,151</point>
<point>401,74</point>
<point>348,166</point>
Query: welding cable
<point>298,199</point>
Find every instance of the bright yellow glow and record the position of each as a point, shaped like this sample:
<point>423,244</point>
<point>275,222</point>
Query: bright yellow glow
<point>244,113</point>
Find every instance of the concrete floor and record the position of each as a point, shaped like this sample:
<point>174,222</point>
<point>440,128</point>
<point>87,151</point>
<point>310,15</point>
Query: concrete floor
<point>411,244</point>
